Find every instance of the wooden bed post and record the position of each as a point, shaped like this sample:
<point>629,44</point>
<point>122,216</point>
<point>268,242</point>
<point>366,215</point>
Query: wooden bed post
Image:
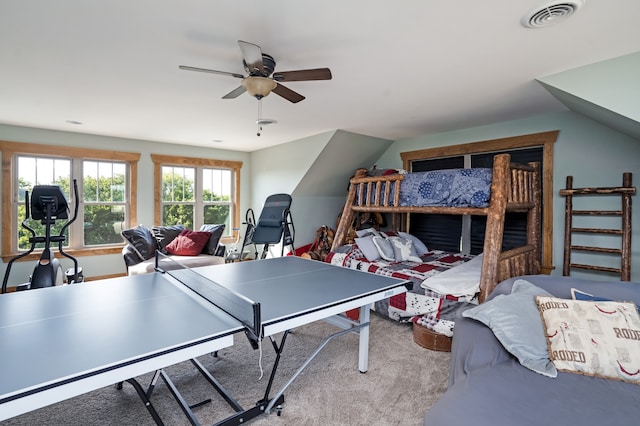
<point>500,187</point>
<point>347,213</point>
<point>534,220</point>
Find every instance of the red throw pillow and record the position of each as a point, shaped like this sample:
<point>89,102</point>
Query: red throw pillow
<point>188,243</point>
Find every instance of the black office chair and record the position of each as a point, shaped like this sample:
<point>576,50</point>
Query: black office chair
<point>274,224</point>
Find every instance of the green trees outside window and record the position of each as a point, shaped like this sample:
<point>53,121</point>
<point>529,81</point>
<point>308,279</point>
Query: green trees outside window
<point>181,203</point>
<point>104,202</point>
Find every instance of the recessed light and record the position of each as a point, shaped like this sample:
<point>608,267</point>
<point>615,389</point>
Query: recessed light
<point>217,141</point>
<point>73,122</point>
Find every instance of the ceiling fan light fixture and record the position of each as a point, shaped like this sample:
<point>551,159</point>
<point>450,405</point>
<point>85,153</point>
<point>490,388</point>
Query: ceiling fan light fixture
<point>258,87</point>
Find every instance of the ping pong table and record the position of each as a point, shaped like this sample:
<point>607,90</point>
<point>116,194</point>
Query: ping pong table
<point>60,342</point>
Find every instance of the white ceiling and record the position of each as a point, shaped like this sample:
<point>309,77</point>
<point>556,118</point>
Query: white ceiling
<point>400,69</point>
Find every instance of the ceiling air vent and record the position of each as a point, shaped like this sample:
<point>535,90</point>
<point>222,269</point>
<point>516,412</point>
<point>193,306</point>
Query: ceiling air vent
<point>551,13</point>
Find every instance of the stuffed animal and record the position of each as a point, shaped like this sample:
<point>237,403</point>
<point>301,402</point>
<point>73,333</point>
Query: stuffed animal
<point>321,245</point>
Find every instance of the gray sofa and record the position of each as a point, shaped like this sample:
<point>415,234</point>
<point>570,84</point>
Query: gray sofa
<point>488,385</point>
<point>142,242</point>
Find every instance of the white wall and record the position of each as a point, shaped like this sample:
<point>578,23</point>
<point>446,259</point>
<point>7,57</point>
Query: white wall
<point>279,169</point>
<point>113,264</point>
<point>595,155</point>
<point>315,171</point>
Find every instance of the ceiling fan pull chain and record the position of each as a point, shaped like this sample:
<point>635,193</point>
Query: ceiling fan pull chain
<point>259,121</point>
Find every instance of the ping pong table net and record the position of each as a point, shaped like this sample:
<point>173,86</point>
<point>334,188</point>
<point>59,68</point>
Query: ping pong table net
<point>243,309</point>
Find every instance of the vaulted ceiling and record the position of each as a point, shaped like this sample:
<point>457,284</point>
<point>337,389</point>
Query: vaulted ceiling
<point>400,69</point>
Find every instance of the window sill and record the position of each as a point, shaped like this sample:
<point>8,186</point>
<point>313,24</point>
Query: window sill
<point>97,251</point>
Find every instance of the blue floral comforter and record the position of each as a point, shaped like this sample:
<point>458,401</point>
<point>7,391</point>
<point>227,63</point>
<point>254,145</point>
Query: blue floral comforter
<point>450,188</point>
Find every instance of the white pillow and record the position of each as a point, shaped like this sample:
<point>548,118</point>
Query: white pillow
<point>418,245</point>
<point>402,250</point>
<point>384,248</point>
<point>366,246</point>
<point>367,231</point>
<point>593,338</point>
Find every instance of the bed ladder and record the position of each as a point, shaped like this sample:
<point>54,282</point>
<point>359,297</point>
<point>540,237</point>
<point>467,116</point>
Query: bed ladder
<point>625,191</point>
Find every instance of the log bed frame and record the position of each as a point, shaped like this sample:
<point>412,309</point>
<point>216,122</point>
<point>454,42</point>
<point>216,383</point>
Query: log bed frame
<point>514,188</point>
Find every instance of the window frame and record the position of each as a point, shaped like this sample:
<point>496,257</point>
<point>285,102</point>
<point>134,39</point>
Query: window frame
<point>545,139</point>
<point>10,152</point>
<point>165,160</point>
<point>82,171</point>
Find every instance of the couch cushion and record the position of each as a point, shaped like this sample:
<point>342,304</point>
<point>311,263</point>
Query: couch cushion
<point>188,243</point>
<point>216,233</point>
<point>165,234</point>
<point>142,241</point>
<point>516,323</point>
<point>599,339</point>
<point>174,262</point>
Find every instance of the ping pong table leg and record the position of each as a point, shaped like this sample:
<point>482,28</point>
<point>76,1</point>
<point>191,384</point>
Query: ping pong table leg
<point>363,351</point>
<point>279,395</point>
<point>186,409</point>
<point>147,402</point>
<point>217,386</point>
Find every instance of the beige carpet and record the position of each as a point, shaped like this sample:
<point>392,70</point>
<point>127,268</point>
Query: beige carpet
<point>403,381</point>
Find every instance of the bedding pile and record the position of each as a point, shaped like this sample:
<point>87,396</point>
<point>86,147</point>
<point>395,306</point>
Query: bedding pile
<point>401,255</point>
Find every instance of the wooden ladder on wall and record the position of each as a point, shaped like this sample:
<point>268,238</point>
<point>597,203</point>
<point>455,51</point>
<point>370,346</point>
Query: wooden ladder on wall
<point>625,191</point>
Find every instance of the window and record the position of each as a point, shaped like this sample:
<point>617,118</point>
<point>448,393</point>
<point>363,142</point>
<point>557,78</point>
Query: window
<point>33,171</point>
<point>104,201</point>
<point>466,233</point>
<point>540,145</point>
<point>193,192</point>
<point>178,196</point>
<point>104,180</point>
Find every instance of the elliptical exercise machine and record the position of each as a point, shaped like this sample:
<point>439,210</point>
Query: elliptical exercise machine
<point>48,204</point>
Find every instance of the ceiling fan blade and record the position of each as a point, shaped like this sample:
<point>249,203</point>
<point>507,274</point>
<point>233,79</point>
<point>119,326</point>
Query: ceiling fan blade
<point>252,55</point>
<point>232,74</point>
<point>235,93</point>
<point>303,75</point>
<point>288,94</point>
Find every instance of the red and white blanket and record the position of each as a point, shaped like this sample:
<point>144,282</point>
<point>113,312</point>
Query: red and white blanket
<point>435,309</point>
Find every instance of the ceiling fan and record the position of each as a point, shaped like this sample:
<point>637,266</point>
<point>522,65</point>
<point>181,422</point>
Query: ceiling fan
<point>261,79</point>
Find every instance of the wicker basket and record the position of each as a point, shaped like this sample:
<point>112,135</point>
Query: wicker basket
<point>429,339</point>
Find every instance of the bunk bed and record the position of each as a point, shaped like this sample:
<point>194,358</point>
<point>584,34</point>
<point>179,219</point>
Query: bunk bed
<point>513,188</point>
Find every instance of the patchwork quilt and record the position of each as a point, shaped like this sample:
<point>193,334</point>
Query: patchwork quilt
<point>436,310</point>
